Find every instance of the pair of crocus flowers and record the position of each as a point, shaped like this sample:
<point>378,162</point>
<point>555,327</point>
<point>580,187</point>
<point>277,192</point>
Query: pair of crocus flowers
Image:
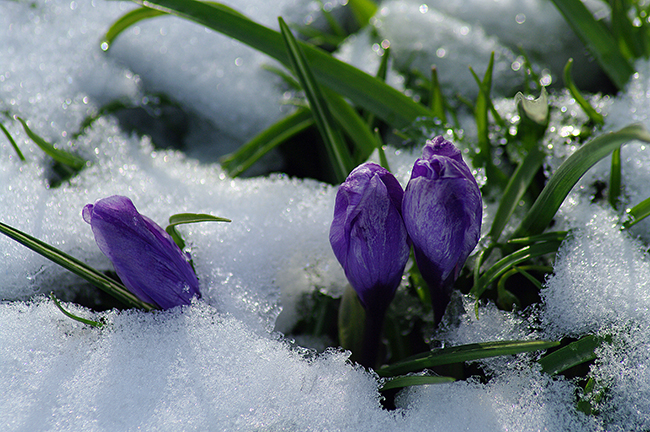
<point>376,221</point>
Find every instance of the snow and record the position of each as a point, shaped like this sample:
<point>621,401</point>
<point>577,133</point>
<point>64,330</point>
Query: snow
<point>223,362</point>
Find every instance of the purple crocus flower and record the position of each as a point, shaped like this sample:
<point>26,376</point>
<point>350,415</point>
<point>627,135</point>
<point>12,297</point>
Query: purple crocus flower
<point>368,235</point>
<point>145,257</point>
<point>442,211</point>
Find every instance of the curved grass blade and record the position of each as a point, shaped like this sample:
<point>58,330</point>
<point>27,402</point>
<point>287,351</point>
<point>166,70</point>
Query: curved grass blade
<point>549,236</point>
<point>77,267</point>
<point>57,303</point>
<point>515,190</point>
<point>509,261</point>
<point>12,142</point>
<point>567,175</point>
<point>411,380</point>
<point>340,157</point>
<point>364,90</point>
<point>594,115</point>
<point>580,351</point>
<point>238,162</point>
<point>637,213</point>
<point>463,353</point>
<point>63,157</point>
<point>186,218</point>
<point>126,21</point>
<point>598,39</point>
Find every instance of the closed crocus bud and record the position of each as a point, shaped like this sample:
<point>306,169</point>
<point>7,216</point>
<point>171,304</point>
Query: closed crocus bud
<point>145,257</point>
<point>368,235</point>
<point>442,210</point>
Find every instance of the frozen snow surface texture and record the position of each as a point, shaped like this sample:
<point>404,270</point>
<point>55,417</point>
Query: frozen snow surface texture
<point>217,364</point>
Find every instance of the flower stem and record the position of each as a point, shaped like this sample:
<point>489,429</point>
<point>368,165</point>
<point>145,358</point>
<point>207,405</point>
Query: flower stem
<point>371,338</point>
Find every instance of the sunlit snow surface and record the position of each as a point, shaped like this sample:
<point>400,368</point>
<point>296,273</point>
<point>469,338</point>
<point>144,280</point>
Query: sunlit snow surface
<point>218,364</point>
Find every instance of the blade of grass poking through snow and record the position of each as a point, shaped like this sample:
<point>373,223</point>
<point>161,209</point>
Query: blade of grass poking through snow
<point>12,142</point>
<point>238,162</point>
<point>481,108</point>
<point>567,175</point>
<point>437,103</point>
<point>515,190</point>
<point>411,380</point>
<point>575,353</point>
<point>598,39</point>
<point>63,157</point>
<point>637,213</point>
<point>337,149</point>
<point>615,179</point>
<point>463,353</point>
<point>186,218</point>
<point>593,115</point>
<point>77,267</point>
<point>362,89</point>
<point>509,261</point>
<point>57,303</point>
<point>126,21</point>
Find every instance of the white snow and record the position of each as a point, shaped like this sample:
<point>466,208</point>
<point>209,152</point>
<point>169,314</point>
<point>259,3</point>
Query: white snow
<point>222,363</point>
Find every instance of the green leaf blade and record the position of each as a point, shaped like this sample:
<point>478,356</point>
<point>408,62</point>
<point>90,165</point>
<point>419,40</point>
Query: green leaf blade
<point>77,267</point>
<point>567,175</point>
<point>598,39</point>
<point>73,161</point>
<point>463,353</point>
<point>578,352</point>
<point>336,147</point>
<point>411,380</point>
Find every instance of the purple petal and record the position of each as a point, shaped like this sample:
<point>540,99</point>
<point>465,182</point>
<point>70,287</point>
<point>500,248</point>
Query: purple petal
<point>368,235</point>
<point>145,257</point>
<point>442,211</point>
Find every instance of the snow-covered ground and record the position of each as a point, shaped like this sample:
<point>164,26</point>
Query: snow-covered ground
<point>222,363</point>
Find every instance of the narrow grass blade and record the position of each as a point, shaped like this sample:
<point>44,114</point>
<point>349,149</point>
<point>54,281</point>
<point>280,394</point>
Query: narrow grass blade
<point>463,353</point>
<point>598,39</point>
<point>411,380</point>
<point>126,21</point>
<point>593,115</point>
<point>637,213</point>
<point>509,261</point>
<point>186,218</point>
<point>92,323</point>
<point>340,157</point>
<point>12,142</point>
<point>353,125</point>
<point>238,162</point>
<point>580,351</point>
<point>515,190</point>
<point>567,175</point>
<point>63,157</point>
<point>437,103</point>
<point>362,89</point>
<point>549,236</point>
<point>77,267</point>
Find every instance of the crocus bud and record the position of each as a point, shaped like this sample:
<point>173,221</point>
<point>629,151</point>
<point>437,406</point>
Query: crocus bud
<point>442,211</point>
<point>368,235</point>
<point>145,257</point>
